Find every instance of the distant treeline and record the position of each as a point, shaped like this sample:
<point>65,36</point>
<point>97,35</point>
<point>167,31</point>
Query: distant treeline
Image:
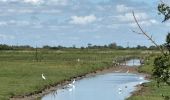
<point>89,46</point>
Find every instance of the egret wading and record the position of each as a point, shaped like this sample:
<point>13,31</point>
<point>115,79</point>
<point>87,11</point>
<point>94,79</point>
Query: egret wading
<point>120,90</point>
<point>72,84</point>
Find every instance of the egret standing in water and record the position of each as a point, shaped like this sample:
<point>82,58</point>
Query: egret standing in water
<point>73,81</point>
<point>43,77</point>
<point>120,90</point>
<point>72,84</point>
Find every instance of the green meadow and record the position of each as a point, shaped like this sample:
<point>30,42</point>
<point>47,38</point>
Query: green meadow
<point>20,72</point>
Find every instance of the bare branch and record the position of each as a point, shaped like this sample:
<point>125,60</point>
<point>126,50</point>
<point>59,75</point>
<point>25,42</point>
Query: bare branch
<point>136,32</point>
<point>144,33</point>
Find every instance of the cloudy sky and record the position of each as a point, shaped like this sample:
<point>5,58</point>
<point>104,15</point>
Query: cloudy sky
<point>79,22</point>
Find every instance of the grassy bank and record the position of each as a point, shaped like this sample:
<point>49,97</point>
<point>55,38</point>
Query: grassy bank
<point>150,90</point>
<point>20,74</point>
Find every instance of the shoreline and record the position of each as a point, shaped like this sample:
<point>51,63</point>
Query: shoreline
<point>115,69</point>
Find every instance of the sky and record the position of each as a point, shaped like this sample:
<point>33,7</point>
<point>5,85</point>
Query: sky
<point>79,22</point>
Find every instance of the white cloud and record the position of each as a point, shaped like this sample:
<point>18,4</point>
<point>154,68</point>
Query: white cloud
<point>58,2</point>
<point>142,18</point>
<point>37,2</point>
<point>34,1</point>
<point>14,22</point>
<point>20,11</point>
<point>6,37</point>
<point>145,23</point>
<point>51,11</point>
<point>3,23</point>
<point>83,19</point>
<point>128,17</point>
<point>123,8</point>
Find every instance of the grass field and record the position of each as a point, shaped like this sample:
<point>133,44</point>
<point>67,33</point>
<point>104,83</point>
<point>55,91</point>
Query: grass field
<point>150,90</point>
<point>20,74</point>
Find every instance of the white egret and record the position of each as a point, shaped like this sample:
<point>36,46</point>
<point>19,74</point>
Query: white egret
<point>73,81</point>
<point>127,71</point>
<point>72,84</point>
<point>78,60</point>
<point>120,90</point>
<point>43,77</point>
<point>140,83</point>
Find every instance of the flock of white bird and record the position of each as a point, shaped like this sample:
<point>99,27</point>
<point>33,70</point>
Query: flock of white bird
<point>71,86</point>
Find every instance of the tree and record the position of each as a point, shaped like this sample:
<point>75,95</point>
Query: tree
<point>167,44</point>
<point>164,9</point>
<point>112,45</point>
<point>89,45</point>
<point>161,70</point>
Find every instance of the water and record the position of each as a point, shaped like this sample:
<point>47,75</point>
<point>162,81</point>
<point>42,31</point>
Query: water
<point>112,86</point>
<point>133,62</point>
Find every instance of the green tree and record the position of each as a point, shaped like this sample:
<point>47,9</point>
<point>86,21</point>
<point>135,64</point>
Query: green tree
<point>161,69</point>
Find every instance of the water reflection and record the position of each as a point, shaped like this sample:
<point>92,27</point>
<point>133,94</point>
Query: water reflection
<point>133,62</point>
<point>113,86</point>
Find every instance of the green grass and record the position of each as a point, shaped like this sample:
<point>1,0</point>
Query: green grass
<point>20,74</point>
<point>150,90</point>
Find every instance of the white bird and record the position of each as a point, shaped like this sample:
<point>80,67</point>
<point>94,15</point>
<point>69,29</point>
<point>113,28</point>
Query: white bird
<point>73,81</point>
<point>72,84</point>
<point>43,77</point>
<point>120,89</point>
<point>78,60</point>
<point>140,83</point>
<point>127,71</point>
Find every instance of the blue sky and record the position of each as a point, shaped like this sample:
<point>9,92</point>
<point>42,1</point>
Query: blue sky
<point>79,22</point>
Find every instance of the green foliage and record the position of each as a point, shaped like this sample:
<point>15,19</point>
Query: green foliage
<point>167,44</point>
<point>164,10</point>
<point>161,69</point>
<point>162,63</point>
